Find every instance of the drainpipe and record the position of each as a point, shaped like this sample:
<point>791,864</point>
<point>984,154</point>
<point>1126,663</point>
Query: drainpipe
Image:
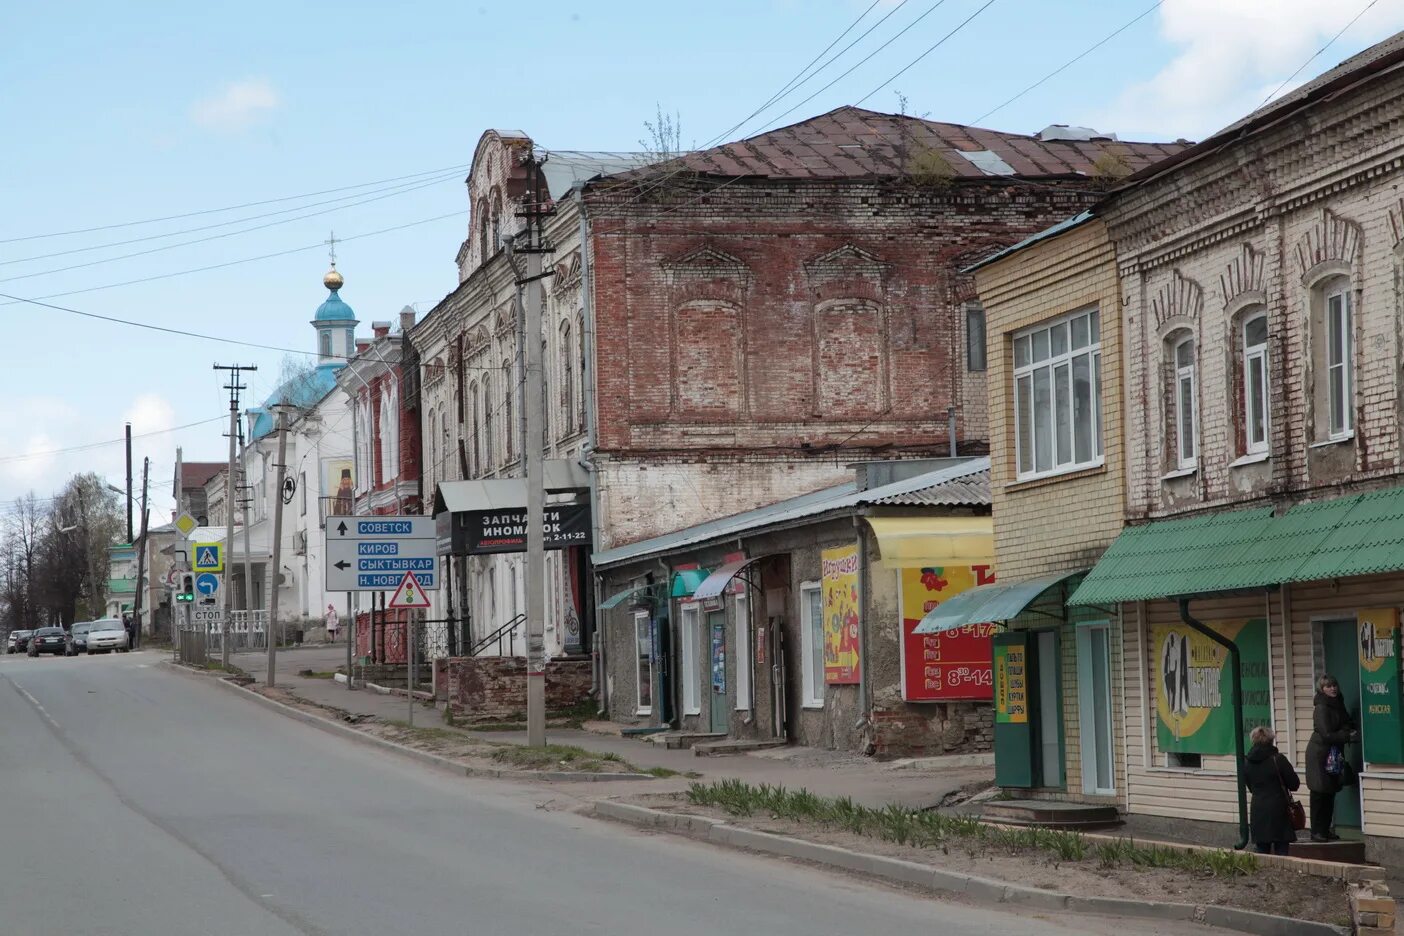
<point>1238,749</point>
<point>865,703</point>
<point>951,428</point>
<point>600,645</point>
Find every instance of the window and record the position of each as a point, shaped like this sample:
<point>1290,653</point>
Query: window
<point>743,651</point>
<point>473,463</point>
<point>1339,360</point>
<point>1184,761</point>
<point>1186,404</point>
<point>507,389</point>
<point>975,337</point>
<point>643,664</point>
<point>580,344</point>
<point>812,641</point>
<point>488,463</point>
<point>324,343</point>
<point>567,376</point>
<point>1058,396</point>
<point>433,443</point>
<point>1255,384</point>
<point>483,231</point>
<point>691,679</point>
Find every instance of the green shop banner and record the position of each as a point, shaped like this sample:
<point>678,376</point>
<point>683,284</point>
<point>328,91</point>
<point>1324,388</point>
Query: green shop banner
<point>1194,685</point>
<point>1378,645</point>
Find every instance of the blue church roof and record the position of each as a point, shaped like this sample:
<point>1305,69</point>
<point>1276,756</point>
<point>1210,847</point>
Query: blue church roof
<point>334,310</point>
<point>303,392</point>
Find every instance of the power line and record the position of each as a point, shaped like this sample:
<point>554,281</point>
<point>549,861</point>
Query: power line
<point>92,445</point>
<point>213,237</point>
<point>230,263</point>
<point>1074,60</point>
<point>254,204</point>
<point>394,190</point>
<point>1318,52</point>
<point>940,42</point>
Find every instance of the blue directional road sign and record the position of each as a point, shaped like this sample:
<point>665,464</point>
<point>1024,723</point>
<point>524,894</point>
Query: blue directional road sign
<point>374,553</point>
<point>207,583</point>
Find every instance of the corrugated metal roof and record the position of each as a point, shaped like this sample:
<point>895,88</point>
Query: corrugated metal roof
<point>851,142</point>
<point>1054,231</point>
<point>998,602</point>
<point>844,496</point>
<point>973,491</point>
<point>1358,535</point>
<point>563,168</point>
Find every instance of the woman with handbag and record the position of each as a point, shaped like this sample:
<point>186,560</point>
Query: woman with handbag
<point>1326,769</point>
<point>1275,815</point>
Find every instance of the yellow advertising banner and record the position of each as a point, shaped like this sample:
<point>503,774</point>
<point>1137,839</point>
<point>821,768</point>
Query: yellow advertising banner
<point>842,616</point>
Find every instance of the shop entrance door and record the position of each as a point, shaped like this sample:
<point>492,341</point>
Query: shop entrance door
<point>1342,660</point>
<point>716,631</point>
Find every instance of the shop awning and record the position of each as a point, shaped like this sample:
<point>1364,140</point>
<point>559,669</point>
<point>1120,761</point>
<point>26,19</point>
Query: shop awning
<point>686,581</point>
<point>1249,549</point>
<point>1000,601</point>
<point>907,542</point>
<point>717,582</point>
<point>618,598</point>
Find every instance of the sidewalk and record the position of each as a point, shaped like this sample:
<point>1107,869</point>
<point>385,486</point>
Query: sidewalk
<point>828,773</point>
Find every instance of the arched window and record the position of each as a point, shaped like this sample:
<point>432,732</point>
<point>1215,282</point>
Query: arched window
<point>1333,358</point>
<point>580,352</point>
<point>433,443</point>
<point>390,432</point>
<point>324,348</point>
<point>507,389</point>
<point>1184,400</point>
<point>496,220</point>
<point>483,231</point>
<point>567,378</point>
<point>476,430</point>
<point>447,456</point>
<point>1256,389</point>
<point>386,443</point>
<point>488,461</point>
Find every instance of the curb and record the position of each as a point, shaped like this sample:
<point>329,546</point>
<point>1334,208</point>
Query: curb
<point>423,757</point>
<point>391,690</point>
<point>945,761</point>
<point>938,880</point>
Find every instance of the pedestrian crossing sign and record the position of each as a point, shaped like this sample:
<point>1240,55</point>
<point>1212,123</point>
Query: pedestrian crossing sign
<point>208,557</point>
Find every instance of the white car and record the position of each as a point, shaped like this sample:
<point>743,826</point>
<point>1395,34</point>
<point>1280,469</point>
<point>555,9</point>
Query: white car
<point>106,636</point>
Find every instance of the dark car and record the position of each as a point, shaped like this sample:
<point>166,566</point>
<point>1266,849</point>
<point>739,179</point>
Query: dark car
<point>49,640</point>
<point>19,641</point>
<point>78,637</point>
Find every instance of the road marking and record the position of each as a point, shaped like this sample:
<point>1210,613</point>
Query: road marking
<point>35,702</point>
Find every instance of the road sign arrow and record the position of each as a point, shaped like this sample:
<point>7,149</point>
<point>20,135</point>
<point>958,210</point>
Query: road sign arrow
<point>343,565</point>
<point>341,528</point>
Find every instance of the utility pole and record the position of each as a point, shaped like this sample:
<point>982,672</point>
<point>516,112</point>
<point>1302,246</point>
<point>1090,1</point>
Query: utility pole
<point>533,445</point>
<point>129,482</point>
<point>246,498</point>
<point>139,603</point>
<point>273,576</point>
<point>233,387</point>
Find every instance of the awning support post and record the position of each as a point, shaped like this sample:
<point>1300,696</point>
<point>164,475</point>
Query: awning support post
<point>1236,671</point>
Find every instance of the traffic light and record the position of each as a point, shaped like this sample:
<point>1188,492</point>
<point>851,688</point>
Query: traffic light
<point>187,589</point>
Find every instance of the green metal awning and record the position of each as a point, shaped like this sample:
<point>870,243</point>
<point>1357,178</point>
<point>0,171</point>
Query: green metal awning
<point>1247,549</point>
<point>1000,601</point>
<point>615,600</point>
<point>686,581</point>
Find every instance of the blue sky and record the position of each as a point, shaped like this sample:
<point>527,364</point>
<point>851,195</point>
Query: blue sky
<point>116,113</point>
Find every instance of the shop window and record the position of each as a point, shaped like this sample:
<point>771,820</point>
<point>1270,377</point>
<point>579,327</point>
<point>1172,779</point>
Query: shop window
<point>1183,430</point>
<point>1058,396</point>
<point>812,641</point>
<point>1256,389</point>
<point>975,337</point>
<point>643,664</point>
<point>1184,761</point>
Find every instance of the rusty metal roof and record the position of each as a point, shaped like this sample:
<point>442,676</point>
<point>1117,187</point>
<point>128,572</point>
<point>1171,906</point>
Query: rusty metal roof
<point>854,143</point>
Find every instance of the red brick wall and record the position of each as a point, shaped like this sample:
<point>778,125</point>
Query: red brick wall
<point>494,688</point>
<point>934,729</point>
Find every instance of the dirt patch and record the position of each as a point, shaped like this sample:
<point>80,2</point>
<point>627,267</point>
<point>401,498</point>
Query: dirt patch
<point>1267,890</point>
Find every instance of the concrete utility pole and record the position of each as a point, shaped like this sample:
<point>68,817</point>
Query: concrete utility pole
<point>244,499</point>
<point>139,602</point>
<point>277,545</point>
<point>129,483</point>
<point>233,387</point>
<point>533,445</point>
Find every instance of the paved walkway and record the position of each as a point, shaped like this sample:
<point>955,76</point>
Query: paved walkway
<point>827,773</point>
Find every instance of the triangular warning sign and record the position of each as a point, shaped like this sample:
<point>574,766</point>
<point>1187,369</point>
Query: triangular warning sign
<point>409,594</point>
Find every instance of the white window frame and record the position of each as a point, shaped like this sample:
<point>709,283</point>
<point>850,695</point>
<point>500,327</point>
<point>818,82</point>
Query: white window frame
<point>742,606</point>
<point>1345,367</point>
<point>689,631</point>
<point>1051,363</point>
<point>1186,443</point>
<point>1088,710</point>
<point>813,683</point>
<point>1256,356</point>
<point>643,665</point>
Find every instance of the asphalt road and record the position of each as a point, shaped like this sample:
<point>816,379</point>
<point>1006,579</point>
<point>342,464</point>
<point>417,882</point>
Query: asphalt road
<point>135,800</point>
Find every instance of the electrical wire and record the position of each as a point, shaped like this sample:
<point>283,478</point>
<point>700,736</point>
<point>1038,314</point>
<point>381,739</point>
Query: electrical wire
<point>940,42</point>
<point>88,446</point>
<point>1319,51</point>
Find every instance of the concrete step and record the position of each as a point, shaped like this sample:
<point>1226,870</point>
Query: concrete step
<point>736,746</point>
<point>1053,814</point>
<point>682,740</point>
<point>1345,851</point>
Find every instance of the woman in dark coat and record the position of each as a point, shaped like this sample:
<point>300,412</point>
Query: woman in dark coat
<point>1332,726</point>
<point>1269,778</point>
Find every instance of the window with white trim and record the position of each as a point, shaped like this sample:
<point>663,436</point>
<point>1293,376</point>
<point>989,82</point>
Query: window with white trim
<point>1256,392</point>
<point>1340,377</point>
<point>1058,396</point>
<point>690,634</point>
<point>643,664</point>
<point>1184,405</point>
<point>812,644</point>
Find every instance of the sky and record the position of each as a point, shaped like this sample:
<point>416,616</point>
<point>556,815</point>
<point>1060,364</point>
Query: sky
<point>118,113</point>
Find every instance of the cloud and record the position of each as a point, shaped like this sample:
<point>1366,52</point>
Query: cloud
<point>1232,54</point>
<point>236,106</point>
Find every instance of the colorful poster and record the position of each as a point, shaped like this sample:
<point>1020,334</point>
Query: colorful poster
<point>338,487</point>
<point>842,618</point>
<point>718,626</point>
<point>1011,685</point>
<point>1382,733</point>
<point>1194,685</point>
<point>953,665</point>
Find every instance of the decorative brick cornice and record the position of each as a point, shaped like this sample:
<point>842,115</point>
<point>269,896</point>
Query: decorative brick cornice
<point>1179,298</point>
<point>568,274</point>
<point>1396,223</point>
<point>706,263</point>
<point>1244,274</point>
<point>1331,238</point>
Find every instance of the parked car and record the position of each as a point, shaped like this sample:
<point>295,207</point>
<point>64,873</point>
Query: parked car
<point>18,641</point>
<point>49,640</point>
<point>79,637</point>
<point>105,636</point>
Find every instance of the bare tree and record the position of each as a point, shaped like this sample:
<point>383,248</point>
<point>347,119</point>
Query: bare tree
<point>664,136</point>
<point>72,563</point>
